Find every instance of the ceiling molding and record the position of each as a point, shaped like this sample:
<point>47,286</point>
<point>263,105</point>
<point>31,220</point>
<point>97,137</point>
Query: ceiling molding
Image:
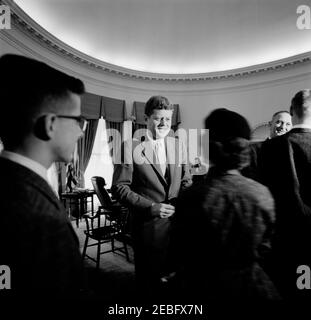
<point>24,23</point>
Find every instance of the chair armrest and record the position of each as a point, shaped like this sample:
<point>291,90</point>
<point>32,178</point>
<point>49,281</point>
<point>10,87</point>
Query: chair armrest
<point>110,214</point>
<point>90,216</point>
<point>100,212</point>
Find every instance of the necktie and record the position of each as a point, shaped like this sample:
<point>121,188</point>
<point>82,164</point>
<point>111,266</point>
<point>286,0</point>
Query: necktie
<point>161,157</point>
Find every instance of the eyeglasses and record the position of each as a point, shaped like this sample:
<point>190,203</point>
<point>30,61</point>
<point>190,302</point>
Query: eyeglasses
<point>80,119</point>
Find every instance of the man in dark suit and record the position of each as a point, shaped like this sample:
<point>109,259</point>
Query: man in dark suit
<point>148,181</point>
<point>40,123</point>
<point>280,124</point>
<point>285,168</point>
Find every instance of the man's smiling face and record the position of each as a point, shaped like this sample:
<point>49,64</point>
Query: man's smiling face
<point>159,123</point>
<point>280,124</point>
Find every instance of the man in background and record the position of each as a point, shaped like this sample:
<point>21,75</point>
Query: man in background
<point>280,124</point>
<point>286,169</point>
<point>148,182</point>
<point>40,123</point>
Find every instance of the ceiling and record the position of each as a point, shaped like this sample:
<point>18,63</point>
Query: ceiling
<point>175,36</point>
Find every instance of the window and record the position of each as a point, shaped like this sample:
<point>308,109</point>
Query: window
<point>100,163</point>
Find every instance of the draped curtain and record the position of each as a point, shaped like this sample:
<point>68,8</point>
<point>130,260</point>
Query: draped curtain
<point>61,176</point>
<point>85,147</point>
<point>115,138</point>
<point>176,119</point>
<point>138,116</point>
<point>90,109</point>
<point>114,112</point>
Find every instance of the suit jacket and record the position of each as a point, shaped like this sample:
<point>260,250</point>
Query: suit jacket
<point>251,171</point>
<point>286,169</point>
<point>37,240</point>
<point>138,182</point>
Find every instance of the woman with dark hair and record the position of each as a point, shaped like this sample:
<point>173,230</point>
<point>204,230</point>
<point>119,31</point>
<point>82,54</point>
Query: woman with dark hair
<point>224,224</point>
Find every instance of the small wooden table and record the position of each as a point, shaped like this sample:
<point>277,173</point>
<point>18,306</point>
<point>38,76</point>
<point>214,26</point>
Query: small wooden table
<point>78,199</point>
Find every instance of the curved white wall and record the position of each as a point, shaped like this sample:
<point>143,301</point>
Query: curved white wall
<point>256,96</point>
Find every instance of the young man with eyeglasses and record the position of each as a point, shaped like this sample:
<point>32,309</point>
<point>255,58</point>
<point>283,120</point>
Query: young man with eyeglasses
<point>40,123</point>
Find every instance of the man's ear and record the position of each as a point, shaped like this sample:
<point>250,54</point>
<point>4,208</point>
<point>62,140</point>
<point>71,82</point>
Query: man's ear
<point>44,127</point>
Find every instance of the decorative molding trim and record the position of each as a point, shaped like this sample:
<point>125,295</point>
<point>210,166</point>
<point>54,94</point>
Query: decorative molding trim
<point>264,126</point>
<point>29,27</point>
<point>261,124</point>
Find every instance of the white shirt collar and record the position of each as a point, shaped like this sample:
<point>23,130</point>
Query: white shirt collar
<point>155,141</point>
<point>26,162</point>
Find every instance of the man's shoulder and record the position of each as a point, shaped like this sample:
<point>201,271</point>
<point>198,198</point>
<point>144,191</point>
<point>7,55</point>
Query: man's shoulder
<point>274,143</point>
<point>21,186</point>
<point>247,189</point>
<point>298,135</point>
<point>255,187</point>
<point>255,148</point>
<point>28,193</point>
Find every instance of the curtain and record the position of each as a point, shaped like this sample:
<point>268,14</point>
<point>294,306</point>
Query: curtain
<point>100,163</point>
<point>137,126</point>
<point>90,109</point>
<point>115,138</point>
<point>91,106</point>
<point>84,150</point>
<point>176,120</point>
<point>114,112</point>
<point>61,176</point>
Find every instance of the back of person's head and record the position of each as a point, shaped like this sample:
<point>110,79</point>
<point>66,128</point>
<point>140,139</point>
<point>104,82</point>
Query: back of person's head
<point>157,103</point>
<point>301,104</point>
<point>30,88</point>
<point>229,135</point>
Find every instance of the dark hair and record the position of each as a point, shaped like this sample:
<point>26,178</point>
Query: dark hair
<point>230,154</point>
<point>298,103</point>
<point>157,103</point>
<point>229,135</point>
<point>27,86</point>
<point>224,124</point>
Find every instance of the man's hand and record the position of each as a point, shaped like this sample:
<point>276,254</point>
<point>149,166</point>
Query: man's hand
<point>162,210</point>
